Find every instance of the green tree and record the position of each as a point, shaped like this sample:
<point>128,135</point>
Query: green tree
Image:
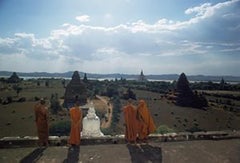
<point>129,94</point>
<point>85,80</point>
<point>55,105</point>
<point>17,88</point>
<point>222,84</point>
<point>47,83</point>
<point>63,83</point>
<point>38,83</point>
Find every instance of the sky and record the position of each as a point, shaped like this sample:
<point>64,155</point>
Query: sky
<point>121,36</point>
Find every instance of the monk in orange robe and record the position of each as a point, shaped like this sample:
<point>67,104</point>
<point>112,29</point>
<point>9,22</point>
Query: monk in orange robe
<point>130,117</point>
<point>76,125</point>
<point>41,119</point>
<point>145,121</point>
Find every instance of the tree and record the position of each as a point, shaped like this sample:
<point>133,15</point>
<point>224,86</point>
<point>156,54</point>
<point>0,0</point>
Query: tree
<point>85,80</point>
<point>222,84</point>
<point>129,94</point>
<point>38,83</point>
<point>17,88</point>
<point>55,105</point>
<point>112,90</point>
<point>47,83</point>
<point>63,83</point>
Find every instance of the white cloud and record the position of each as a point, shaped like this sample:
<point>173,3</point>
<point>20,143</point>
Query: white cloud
<point>199,10</point>
<point>159,47</point>
<point>83,18</point>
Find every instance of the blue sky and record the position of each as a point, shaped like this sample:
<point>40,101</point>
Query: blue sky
<point>121,36</point>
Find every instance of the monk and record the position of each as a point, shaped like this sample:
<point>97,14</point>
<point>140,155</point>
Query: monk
<point>76,125</point>
<point>145,122</point>
<point>130,113</point>
<point>41,119</point>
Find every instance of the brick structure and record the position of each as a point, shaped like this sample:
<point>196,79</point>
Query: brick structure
<point>142,77</point>
<point>75,90</point>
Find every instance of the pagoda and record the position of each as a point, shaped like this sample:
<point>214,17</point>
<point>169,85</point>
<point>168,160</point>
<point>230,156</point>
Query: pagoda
<point>75,90</point>
<point>14,78</point>
<point>142,77</point>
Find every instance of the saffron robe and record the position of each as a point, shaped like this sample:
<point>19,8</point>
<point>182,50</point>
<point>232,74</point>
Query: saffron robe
<point>145,121</point>
<point>130,113</point>
<point>41,115</point>
<point>76,126</point>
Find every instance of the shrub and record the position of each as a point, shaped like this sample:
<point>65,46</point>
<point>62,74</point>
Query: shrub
<point>163,129</point>
<point>36,98</point>
<point>60,129</point>
<point>107,131</point>
<point>22,99</point>
<point>194,129</point>
<point>8,100</point>
<point>55,104</point>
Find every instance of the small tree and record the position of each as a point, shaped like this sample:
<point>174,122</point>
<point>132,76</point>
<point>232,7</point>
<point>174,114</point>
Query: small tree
<point>129,94</point>
<point>47,83</point>
<point>55,105</point>
<point>17,88</point>
<point>112,90</point>
<point>222,84</point>
<point>38,83</point>
<point>85,80</point>
<point>63,83</point>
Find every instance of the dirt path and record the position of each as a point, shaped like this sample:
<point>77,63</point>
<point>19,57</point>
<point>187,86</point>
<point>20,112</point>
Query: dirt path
<point>106,123</point>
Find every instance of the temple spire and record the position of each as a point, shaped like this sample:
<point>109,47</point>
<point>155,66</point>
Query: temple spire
<point>142,77</point>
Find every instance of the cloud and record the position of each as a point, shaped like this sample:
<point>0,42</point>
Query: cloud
<point>165,46</point>
<point>83,18</point>
<point>199,10</point>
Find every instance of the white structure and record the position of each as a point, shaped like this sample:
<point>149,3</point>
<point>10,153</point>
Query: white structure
<point>91,124</point>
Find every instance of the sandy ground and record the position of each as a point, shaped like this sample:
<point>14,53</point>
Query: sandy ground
<point>105,100</point>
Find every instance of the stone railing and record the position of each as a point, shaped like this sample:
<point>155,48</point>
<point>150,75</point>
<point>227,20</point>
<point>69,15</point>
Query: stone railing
<point>28,141</point>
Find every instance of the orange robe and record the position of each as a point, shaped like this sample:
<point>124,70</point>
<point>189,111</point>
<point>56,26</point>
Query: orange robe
<point>41,116</point>
<point>130,114</point>
<point>76,125</point>
<point>146,124</point>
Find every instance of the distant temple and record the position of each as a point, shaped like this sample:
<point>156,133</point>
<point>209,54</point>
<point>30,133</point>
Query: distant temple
<point>75,90</point>
<point>142,77</point>
<point>14,78</point>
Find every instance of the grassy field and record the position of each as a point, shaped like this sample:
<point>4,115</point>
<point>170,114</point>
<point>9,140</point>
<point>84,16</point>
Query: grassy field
<point>17,118</point>
<point>164,112</point>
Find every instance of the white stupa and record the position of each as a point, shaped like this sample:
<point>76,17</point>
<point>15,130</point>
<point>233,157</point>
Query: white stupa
<point>91,124</point>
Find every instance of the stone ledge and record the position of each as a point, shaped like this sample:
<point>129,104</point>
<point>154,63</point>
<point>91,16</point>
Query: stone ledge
<point>29,141</point>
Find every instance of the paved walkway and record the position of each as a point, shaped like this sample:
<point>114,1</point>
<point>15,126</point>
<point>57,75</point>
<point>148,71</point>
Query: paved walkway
<point>204,151</point>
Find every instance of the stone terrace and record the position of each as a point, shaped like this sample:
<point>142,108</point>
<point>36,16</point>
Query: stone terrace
<point>220,146</point>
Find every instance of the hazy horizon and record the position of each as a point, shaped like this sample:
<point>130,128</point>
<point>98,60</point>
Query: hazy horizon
<point>123,73</point>
<point>121,36</point>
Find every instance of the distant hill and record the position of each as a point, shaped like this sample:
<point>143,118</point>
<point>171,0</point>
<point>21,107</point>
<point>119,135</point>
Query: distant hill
<point>170,77</point>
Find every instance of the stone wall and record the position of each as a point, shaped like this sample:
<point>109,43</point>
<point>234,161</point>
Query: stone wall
<point>27,141</point>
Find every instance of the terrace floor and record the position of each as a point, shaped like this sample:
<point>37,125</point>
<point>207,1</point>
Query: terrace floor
<point>197,151</point>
